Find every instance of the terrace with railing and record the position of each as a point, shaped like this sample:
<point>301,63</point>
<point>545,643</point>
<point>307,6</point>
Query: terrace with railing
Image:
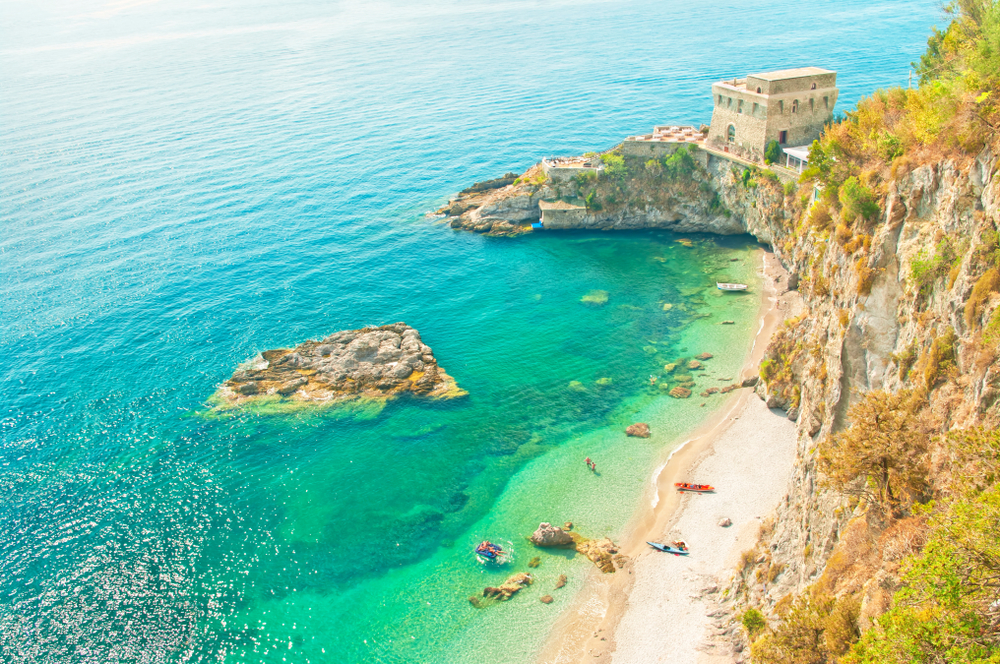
<point>670,134</point>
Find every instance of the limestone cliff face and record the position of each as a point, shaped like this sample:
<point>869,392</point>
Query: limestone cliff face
<point>878,308</point>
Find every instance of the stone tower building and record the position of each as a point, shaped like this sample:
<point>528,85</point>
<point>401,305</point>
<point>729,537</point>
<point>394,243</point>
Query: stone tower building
<point>788,106</point>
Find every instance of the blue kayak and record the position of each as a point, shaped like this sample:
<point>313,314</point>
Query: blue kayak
<point>668,549</point>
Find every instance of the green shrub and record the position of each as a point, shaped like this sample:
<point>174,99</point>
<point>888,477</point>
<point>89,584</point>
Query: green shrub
<point>772,153</point>
<point>945,611</point>
<point>614,166</point>
<point>941,359</point>
<point>857,200</point>
<point>680,164</point>
<point>987,284</point>
<point>753,621</point>
<point>591,201</point>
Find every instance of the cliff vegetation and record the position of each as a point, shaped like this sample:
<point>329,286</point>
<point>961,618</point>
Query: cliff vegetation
<point>888,546</point>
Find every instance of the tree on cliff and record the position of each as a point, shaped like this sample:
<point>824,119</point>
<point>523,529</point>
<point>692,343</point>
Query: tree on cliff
<point>947,610</point>
<point>882,456</point>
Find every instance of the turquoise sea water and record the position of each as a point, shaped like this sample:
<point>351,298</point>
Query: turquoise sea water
<point>184,184</point>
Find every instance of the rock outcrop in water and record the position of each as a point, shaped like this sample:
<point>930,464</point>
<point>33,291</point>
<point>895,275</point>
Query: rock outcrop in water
<point>602,552</point>
<point>510,587</point>
<point>372,362</point>
<point>639,430</point>
<point>549,535</point>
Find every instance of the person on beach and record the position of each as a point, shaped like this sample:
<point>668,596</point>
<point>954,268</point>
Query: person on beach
<point>589,462</point>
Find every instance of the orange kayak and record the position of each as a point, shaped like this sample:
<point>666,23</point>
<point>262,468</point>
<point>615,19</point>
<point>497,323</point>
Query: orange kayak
<point>701,488</point>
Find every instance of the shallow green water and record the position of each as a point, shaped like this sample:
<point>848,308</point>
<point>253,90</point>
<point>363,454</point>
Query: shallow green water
<point>522,436</point>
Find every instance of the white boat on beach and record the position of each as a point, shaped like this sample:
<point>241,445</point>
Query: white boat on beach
<point>731,287</point>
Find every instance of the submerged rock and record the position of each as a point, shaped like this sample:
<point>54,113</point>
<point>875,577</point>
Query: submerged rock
<point>595,297</point>
<point>508,588</point>
<point>601,552</point>
<point>561,581</point>
<point>680,392</point>
<point>372,362</point>
<point>704,356</point>
<point>545,599</point>
<point>639,430</point>
<point>549,535</point>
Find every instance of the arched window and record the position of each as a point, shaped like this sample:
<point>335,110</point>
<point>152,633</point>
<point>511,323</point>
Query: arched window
<point>795,106</point>
<point>758,89</point>
<point>812,87</point>
<point>732,133</point>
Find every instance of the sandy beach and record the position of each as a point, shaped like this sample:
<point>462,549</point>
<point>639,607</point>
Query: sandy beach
<point>657,609</point>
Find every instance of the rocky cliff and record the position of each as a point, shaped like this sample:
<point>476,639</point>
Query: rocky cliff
<point>905,301</point>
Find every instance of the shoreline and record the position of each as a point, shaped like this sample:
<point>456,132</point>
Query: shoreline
<point>588,630</point>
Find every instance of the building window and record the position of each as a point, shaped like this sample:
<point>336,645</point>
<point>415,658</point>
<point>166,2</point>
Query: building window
<point>812,87</point>
<point>826,102</point>
<point>795,106</point>
<point>755,107</point>
<point>739,106</point>
<point>783,137</point>
<point>758,89</point>
<point>781,107</point>
<point>731,134</point>
<point>812,105</point>
<point>729,102</point>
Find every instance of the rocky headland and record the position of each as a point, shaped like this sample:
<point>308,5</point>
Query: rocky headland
<point>369,363</point>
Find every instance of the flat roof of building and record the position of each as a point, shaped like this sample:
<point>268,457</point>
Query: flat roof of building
<point>783,74</point>
<point>799,152</point>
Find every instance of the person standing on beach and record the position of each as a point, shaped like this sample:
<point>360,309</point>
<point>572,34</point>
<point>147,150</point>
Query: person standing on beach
<point>588,463</point>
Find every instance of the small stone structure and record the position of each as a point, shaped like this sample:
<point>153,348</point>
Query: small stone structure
<point>788,106</point>
<point>562,169</point>
<point>560,214</point>
<point>664,140</point>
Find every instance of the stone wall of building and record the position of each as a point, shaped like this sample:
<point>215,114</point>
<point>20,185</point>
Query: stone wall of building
<point>562,215</point>
<point>649,149</point>
<point>798,105</point>
<point>746,111</point>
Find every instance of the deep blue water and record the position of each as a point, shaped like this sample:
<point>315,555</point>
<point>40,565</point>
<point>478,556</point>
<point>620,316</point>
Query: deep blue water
<point>184,184</point>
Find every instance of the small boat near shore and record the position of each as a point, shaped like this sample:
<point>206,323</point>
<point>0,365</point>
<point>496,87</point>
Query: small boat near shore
<point>667,548</point>
<point>730,287</point>
<point>699,488</point>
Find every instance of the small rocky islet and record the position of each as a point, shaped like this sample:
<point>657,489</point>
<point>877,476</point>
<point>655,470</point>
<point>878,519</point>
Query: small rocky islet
<point>377,363</point>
